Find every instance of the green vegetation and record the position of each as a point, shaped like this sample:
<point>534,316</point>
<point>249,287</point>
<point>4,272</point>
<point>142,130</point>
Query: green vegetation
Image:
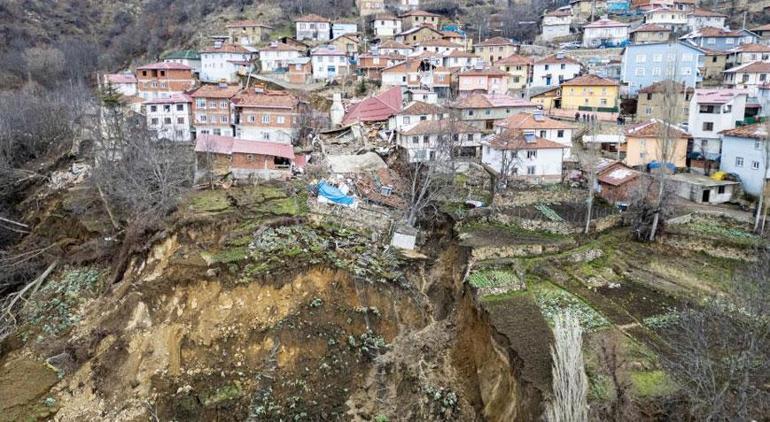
<point>209,201</point>
<point>223,394</point>
<point>54,307</point>
<point>494,279</point>
<point>652,383</point>
<point>554,301</point>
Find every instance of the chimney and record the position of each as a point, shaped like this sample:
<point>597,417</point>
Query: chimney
<point>218,44</point>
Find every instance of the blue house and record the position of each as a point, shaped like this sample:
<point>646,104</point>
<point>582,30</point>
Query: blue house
<point>720,39</point>
<point>645,64</point>
<point>618,6</point>
<point>743,150</point>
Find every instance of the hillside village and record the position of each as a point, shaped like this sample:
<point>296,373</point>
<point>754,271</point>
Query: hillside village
<point>402,214</point>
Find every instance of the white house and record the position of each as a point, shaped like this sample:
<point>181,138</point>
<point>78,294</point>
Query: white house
<point>186,57</point>
<point>605,32</point>
<point>225,62</point>
<point>743,153</point>
<point>431,140</point>
<point>711,112</point>
<point>556,24</point>
<point>414,113</point>
<point>394,47</point>
<point>438,45</point>
<point>535,123</point>
<point>170,117</point>
<point>312,27</point>
<point>328,62</point>
<point>123,83</point>
<point>341,28</point>
<point>277,55</point>
<point>749,76</point>
<point>386,26</point>
<point>523,156</point>
<point>461,59</point>
<point>667,17</point>
<point>554,69</point>
<point>702,18</point>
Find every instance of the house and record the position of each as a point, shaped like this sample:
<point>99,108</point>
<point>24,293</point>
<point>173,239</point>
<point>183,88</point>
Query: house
<point>378,108</point>
<point>294,43</point>
<point>743,154</point>
<point>461,59</point>
<point>617,183</point>
<point>746,53</point>
<point>749,76</point>
<point>248,32</point>
<point>651,101</point>
<point>545,97</point>
<point>348,43</point>
<point>386,25</point>
<point>486,81</point>
<point>394,47</point>
<point>212,109</point>
<point>217,156</point>
<point>763,32</point>
<point>409,4</point>
<point>226,63</point>
<point>667,17</point>
<point>714,64</point>
<point>517,155</point>
<point>418,74</point>
<point>414,113</point>
<point>554,69</point>
<point>423,95</point>
<point>495,49</point>
<point>170,117</point>
<point>519,68</point>
<point>266,116</point>
<point>484,110</point>
<point>556,24</point>
<point>605,33</point>
<point>645,5</point>
<point>542,126</point>
<point>370,7</point>
<point>277,56</point>
<point>702,18</point>
<point>584,9</point>
<point>590,93</point>
<point>650,33</point>
<point>457,38</point>
<point>712,111</point>
<point>370,65</point>
<point>300,70</point>
<point>645,64</point>
<point>618,7</point>
<point>703,189</point>
<point>186,57</point>
<point>122,83</point>
<point>313,27</point>
<point>655,141</point>
<point>719,38</point>
<point>160,80</point>
<point>344,27</point>
<point>329,63</point>
<point>419,18</point>
<point>439,46</point>
<point>417,35</point>
<point>431,140</point>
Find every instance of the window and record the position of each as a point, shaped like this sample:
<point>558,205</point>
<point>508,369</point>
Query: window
<point>560,133</point>
<point>223,119</point>
<point>721,189</point>
<point>153,109</point>
<point>488,112</point>
<point>425,139</point>
<point>738,161</point>
<point>603,101</point>
<point>201,117</point>
<point>757,144</point>
<point>563,66</point>
<point>180,107</point>
<point>755,165</point>
<point>641,58</point>
<point>657,58</point>
<point>217,132</point>
<point>406,120</point>
<point>711,41</point>
<point>167,108</point>
<point>763,77</point>
<point>179,134</point>
<point>547,67</point>
<point>280,120</point>
<point>531,154</point>
<point>639,71</point>
<point>266,118</point>
<point>423,118</point>
<point>687,57</point>
<point>167,120</point>
<point>415,139</point>
<point>180,120</point>
<point>252,118</point>
<point>223,104</point>
<point>200,103</point>
<point>655,71</point>
<point>154,121</point>
<point>708,126</point>
<point>729,41</point>
<point>470,112</point>
<point>542,134</point>
<point>531,170</point>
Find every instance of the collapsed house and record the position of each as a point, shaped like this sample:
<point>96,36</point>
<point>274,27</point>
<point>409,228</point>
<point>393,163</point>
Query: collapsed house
<point>219,156</point>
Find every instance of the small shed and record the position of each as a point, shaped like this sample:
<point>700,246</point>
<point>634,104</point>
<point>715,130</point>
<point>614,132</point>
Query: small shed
<point>617,183</point>
<point>703,189</point>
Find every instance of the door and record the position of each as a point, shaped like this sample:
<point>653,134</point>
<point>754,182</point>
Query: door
<point>706,195</point>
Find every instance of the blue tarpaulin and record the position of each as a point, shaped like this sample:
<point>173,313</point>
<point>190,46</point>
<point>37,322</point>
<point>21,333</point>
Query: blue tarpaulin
<point>334,195</point>
<point>656,165</point>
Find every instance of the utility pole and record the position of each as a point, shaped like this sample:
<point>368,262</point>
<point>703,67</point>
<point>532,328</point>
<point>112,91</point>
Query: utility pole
<point>593,9</point>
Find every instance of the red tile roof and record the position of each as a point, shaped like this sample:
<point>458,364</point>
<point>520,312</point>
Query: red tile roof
<point>483,72</point>
<point>216,91</point>
<point>438,127</point>
<point>246,24</point>
<point>228,145</point>
<point>559,13</point>
<point>266,100</point>
<point>494,41</point>
<point>616,174</point>
<point>753,67</point>
<point>526,120</point>
<point>706,14</point>
<point>661,86</point>
<point>590,80</point>
<point>120,78</point>
<point>227,48</point>
<point>514,59</point>
<point>755,131</point>
<point>439,42</point>
<point>654,128</point>
<point>751,48</point>
<point>491,101</point>
<point>394,44</point>
<point>420,108</point>
<point>375,109</point>
<point>515,140</point>
<point>605,23</point>
<point>419,13</point>
<point>554,59</point>
<point>164,66</point>
<point>312,18</point>
<point>651,27</point>
<point>282,47</point>
<point>173,99</point>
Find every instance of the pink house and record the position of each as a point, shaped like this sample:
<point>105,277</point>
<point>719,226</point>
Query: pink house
<point>485,81</point>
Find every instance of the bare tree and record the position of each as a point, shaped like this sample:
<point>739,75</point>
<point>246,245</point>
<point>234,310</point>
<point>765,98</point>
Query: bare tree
<point>720,352</point>
<point>570,383</point>
<point>611,364</point>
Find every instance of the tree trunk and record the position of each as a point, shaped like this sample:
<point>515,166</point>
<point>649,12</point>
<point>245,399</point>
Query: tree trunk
<point>760,205</point>
<point>659,202</point>
<point>590,205</point>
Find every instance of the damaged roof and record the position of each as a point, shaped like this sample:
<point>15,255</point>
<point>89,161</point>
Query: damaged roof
<point>374,109</point>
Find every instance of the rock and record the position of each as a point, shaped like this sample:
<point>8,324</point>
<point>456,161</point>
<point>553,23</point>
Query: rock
<point>212,272</point>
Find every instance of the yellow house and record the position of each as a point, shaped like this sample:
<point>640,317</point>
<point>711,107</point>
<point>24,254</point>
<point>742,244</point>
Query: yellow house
<point>645,144</point>
<point>519,67</point>
<point>590,93</point>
